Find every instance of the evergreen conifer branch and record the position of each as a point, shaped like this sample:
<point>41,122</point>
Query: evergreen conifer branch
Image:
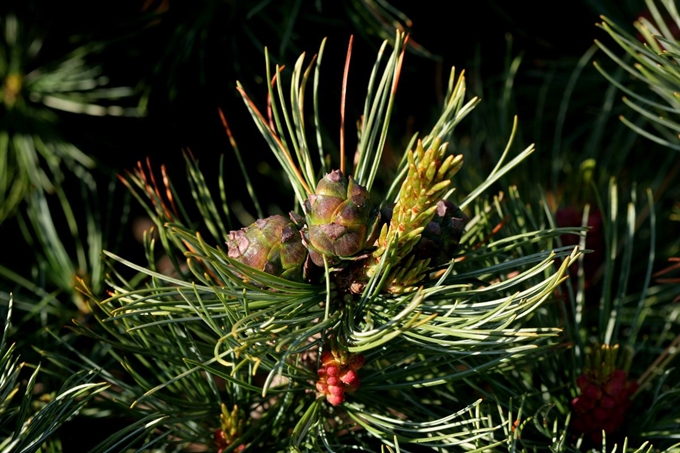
<point>33,150</point>
<point>26,428</point>
<point>483,327</point>
<point>267,338</point>
<point>217,351</point>
<point>654,53</point>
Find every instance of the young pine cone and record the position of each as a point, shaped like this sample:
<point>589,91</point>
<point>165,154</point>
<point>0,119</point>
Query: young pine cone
<point>441,237</point>
<point>273,245</point>
<point>341,219</point>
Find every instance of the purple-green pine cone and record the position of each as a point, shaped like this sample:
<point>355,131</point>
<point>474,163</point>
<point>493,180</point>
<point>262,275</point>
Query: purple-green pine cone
<point>341,219</point>
<point>441,237</point>
<point>273,245</point>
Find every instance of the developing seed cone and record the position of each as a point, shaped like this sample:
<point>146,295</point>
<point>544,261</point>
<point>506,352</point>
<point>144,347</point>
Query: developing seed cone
<point>272,245</point>
<point>341,219</point>
<point>438,243</point>
<point>441,237</point>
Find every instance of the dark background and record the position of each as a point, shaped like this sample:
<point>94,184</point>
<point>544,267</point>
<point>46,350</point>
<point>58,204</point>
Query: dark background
<point>187,77</point>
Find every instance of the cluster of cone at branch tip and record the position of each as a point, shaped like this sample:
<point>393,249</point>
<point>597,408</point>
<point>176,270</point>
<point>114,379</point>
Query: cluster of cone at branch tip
<point>341,224</point>
<point>338,374</point>
<point>604,395</point>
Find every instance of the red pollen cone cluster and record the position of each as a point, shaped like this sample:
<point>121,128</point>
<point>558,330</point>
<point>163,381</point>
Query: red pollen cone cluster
<point>603,401</point>
<point>337,375</point>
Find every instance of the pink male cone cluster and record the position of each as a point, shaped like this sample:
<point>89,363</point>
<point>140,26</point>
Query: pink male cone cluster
<point>337,376</point>
<point>602,405</point>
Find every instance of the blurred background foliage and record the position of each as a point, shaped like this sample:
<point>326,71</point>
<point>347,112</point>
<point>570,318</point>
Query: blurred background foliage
<point>89,89</point>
